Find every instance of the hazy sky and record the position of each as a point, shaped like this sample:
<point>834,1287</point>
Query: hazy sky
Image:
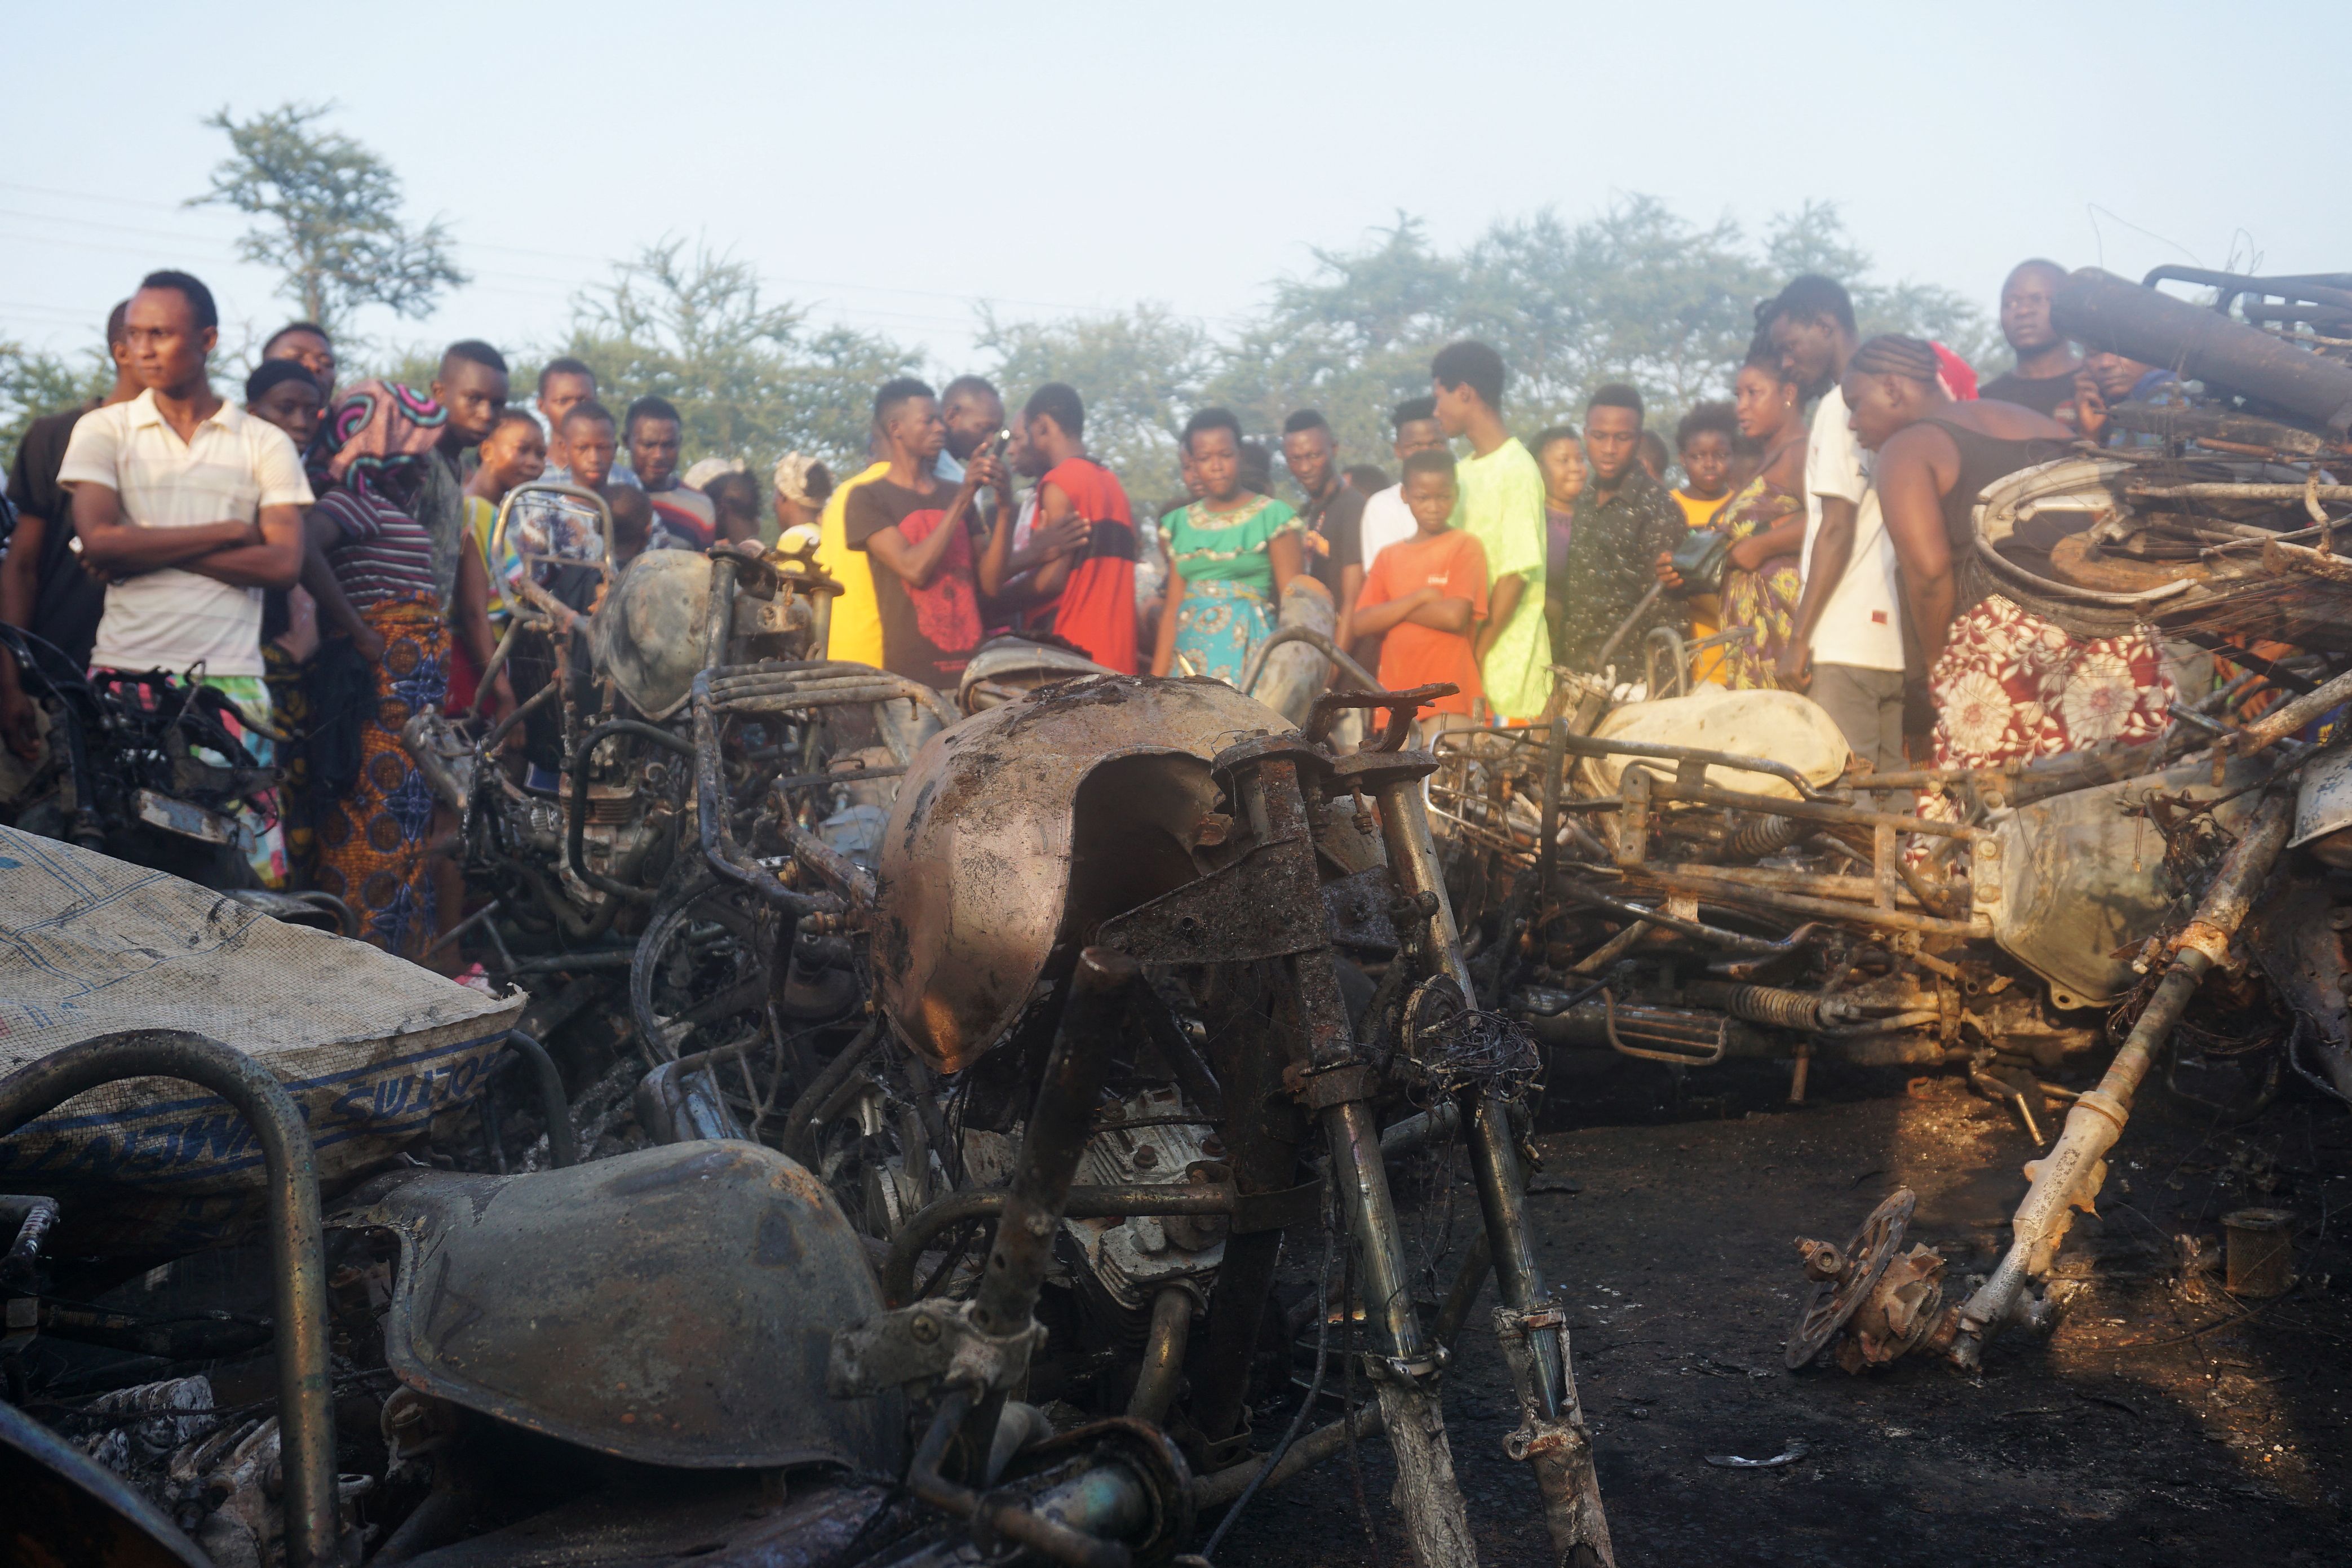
<point>892,166</point>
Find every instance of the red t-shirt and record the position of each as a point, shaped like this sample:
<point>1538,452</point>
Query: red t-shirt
<point>1096,609</point>
<point>927,633</point>
<point>1412,655</point>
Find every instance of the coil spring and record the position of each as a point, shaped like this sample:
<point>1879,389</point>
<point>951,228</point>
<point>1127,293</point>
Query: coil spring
<point>1773,1004</point>
<point>1760,836</point>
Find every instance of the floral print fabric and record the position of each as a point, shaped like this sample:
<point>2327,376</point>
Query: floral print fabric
<point>2012,687</point>
<point>1764,600</point>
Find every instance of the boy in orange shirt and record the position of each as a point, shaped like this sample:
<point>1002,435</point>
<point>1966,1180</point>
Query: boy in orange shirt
<point>1425,595</point>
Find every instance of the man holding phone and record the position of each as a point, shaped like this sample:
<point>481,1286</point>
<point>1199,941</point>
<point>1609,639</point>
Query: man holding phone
<point>916,533</point>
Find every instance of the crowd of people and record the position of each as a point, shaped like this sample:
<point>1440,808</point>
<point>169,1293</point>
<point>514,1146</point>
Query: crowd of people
<point>327,557</point>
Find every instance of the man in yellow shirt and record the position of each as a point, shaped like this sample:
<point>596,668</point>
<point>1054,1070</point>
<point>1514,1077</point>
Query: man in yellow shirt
<point>856,617</point>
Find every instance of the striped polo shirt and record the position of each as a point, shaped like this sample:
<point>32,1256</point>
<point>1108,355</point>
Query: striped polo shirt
<point>384,554</point>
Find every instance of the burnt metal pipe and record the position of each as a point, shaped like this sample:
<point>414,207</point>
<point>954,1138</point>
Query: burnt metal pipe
<point>1594,746</point>
<point>576,807</point>
<point>853,881</point>
<point>1163,1354</point>
<point>1321,644</point>
<point>1216,1490</point>
<point>719,846</point>
<point>2288,717</point>
<point>1735,941</point>
<point>1109,1200</point>
<point>800,1123</point>
<point>554,1109</point>
<point>1060,1124</point>
<point>296,1251</point>
<point>2071,1174</point>
<point>993,1511</point>
<point>2102,310</point>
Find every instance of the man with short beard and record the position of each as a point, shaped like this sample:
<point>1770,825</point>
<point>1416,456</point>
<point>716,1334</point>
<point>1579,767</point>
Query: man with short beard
<point>2043,379</point>
<point>1334,512</point>
<point>191,508</point>
<point>652,430</point>
<point>1846,649</point>
<point>1624,521</point>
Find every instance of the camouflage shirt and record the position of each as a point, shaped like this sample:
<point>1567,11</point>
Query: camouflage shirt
<point>1612,562</point>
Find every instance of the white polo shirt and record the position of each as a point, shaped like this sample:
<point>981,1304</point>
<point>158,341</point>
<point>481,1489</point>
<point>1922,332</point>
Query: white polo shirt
<point>235,465</point>
<point>1861,625</point>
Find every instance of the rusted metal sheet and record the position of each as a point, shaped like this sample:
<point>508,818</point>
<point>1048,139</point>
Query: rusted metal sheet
<point>992,875</point>
<point>672,1306</point>
<point>2086,885</point>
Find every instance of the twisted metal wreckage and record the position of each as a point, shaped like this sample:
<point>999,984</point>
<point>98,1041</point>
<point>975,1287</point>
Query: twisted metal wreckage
<point>891,1096</point>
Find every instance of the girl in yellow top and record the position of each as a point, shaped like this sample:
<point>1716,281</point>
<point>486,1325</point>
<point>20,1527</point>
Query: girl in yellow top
<point>513,452</point>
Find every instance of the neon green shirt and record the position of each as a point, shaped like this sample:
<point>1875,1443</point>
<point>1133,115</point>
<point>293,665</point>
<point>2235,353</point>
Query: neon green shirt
<point>1502,506</point>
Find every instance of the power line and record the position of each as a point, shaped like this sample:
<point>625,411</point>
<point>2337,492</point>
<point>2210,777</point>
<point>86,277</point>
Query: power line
<point>770,281</point>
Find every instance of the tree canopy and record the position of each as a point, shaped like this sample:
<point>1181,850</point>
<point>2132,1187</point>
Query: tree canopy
<point>1634,293</point>
<point>330,211</point>
<point>750,378</point>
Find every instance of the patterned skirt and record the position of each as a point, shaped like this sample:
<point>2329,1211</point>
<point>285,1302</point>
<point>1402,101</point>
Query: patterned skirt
<point>1765,601</point>
<point>372,842</point>
<point>2012,687</point>
<point>1218,625</point>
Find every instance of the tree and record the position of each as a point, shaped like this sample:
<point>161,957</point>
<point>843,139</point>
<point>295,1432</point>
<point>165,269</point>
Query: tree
<point>35,383</point>
<point>748,379</point>
<point>1813,239</point>
<point>1633,294</point>
<point>1140,372</point>
<point>330,212</point>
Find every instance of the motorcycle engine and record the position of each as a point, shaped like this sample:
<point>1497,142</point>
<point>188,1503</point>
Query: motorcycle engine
<point>1121,1264</point>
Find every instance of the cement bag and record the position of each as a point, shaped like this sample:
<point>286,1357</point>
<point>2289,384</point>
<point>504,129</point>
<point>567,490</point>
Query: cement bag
<point>371,1046</point>
<point>1778,726</point>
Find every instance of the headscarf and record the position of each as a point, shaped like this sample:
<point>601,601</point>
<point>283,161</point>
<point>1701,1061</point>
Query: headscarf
<point>1960,380</point>
<point>700,475</point>
<point>803,478</point>
<point>384,441</point>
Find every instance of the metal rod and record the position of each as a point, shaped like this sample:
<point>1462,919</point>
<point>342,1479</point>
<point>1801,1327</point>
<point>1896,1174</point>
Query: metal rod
<point>2288,717</point>
<point>1322,644</point>
<point>296,1250</point>
<point>1723,890</point>
<point>801,1122</point>
<point>1163,1354</point>
<point>1059,1126</point>
<point>2070,1175</point>
<point>1102,1201</point>
<point>1216,1490</point>
<point>555,1109</point>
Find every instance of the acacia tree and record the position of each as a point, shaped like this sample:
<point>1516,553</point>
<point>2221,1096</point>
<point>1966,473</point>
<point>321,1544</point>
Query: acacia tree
<point>34,382</point>
<point>1140,374</point>
<point>330,211</point>
<point>749,379</point>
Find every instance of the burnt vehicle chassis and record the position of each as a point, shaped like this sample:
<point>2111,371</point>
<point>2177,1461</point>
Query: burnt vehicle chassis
<point>148,770</point>
<point>472,1365</point>
<point>2057,910</point>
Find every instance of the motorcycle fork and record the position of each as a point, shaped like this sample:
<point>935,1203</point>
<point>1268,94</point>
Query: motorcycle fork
<point>1533,1332</point>
<point>1337,1086</point>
